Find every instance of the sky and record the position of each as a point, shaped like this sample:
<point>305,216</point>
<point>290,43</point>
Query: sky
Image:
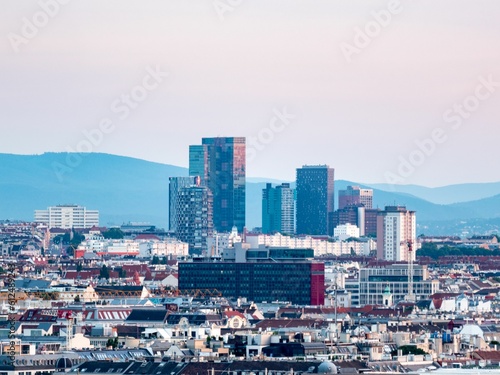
<point>383,91</point>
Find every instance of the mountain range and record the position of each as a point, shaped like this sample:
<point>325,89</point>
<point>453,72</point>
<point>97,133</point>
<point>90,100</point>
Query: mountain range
<point>126,189</point>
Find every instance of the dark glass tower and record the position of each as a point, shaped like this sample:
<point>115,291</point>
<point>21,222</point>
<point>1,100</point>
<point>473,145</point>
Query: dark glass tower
<point>221,163</point>
<point>315,200</point>
<point>278,209</point>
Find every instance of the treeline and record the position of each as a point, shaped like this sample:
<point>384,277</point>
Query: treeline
<point>431,250</point>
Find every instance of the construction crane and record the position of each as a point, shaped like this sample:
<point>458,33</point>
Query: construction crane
<point>410,297</point>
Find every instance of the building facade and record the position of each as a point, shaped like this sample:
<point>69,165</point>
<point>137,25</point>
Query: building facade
<point>345,231</point>
<point>174,188</point>
<point>354,195</point>
<point>300,282</point>
<point>396,234</point>
<point>315,200</point>
<point>320,246</point>
<point>365,219</point>
<point>278,209</point>
<point>221,164</point>
<point>68,216</point>
<point>369,287</point>
<point>194,217</point>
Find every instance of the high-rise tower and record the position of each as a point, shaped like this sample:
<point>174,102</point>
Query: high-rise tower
<point>278,209</point>
<point>221,164</point>
<point>315,200</point>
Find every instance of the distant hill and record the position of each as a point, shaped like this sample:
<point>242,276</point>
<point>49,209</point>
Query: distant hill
<point>126,189</point>
<point>121,188</point>
<point>446,194</point>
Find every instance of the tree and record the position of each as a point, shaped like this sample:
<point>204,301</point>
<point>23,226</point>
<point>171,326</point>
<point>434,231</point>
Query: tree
<point>155,260</point>
<point>112,343</point>
<point>409,349</point>
<point>122,273</point>
<point>104,272</point>
<point>77,298</point>
<point>79,267</point>
<point>77,239</point>
<point>114,234</point>
<point>58,239</point>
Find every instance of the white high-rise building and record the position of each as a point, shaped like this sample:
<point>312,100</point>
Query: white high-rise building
<point>345,231</point>
<point>67,216</point>
<point>396,234</point>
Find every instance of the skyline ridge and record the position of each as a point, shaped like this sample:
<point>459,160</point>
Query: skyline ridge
<point>138,194</point>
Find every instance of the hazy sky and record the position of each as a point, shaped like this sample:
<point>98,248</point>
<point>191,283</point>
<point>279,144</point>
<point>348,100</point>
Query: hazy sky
<point>426,69</point>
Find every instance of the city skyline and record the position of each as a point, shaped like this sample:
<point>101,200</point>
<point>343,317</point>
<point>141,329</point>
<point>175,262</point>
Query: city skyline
<point>398,107</point>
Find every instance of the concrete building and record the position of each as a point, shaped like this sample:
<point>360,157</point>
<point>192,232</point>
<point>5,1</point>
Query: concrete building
<point>315,200</point>
<point>354,195</point>
<point>195,217</point>
<point>278,209</point>
<point>365,219</point>
<point>396,234</point>
<point>370,285</point>
<point>320,246</point>
<point>345,231</point>
<point>68,216</point>
<point>170,248</point>
<point>260,274</point>
<point>217,242</point>
<point>174,187</point>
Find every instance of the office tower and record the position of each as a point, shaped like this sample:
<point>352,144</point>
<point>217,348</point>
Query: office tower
<point>371,221</point>
<point>174,187</point>
<point>198,161</point>
<point>68,216</point>
<point>194,217</point>
<point>315,200</point>
<point>354,195</point>
<point>396,228</point>
<point>262,275</point>
<point>220,162</point>
<point>365,219</point>
<point>278,209</point>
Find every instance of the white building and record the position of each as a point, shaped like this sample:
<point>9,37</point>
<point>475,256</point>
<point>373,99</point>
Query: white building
<point>217,242</point>
<point>67,216</point>
<point>170,247</point>
<point>396,234</point>
<point>368,287</point>
<point>345,231</point>
<point>320,246</point>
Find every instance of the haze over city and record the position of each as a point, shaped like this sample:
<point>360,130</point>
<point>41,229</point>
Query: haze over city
<point>249,187</point>
<point>381,91</point>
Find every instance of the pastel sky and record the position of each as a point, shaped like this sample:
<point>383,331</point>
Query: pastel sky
<point>365,105</point>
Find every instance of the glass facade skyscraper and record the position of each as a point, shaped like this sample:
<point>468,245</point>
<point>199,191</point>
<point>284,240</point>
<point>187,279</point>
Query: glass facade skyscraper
<point>315,200</point>
<point>278,209</point>
<point>221,164</point>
